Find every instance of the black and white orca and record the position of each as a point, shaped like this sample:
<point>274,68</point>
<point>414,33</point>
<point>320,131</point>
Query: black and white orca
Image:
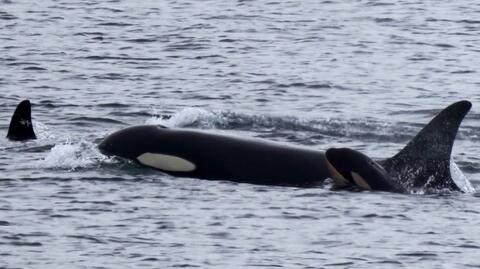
<point>206,155</point>
<point>424,162</point>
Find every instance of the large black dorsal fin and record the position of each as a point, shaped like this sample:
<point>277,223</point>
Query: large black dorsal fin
<point>21,124</point>
<point>425,161</point>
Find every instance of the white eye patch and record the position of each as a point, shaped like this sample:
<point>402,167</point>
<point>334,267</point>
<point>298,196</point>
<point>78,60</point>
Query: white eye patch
<point>166,162</point>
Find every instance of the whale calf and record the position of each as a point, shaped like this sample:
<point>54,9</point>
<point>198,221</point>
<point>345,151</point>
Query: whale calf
<point>349,167</point>
<point>424,162</point>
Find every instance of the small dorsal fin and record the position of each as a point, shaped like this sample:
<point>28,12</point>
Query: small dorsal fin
<point>21,124</point>
<point>425,160</point>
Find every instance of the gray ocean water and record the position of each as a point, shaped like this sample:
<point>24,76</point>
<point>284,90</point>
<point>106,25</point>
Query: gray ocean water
<point>361,74</point>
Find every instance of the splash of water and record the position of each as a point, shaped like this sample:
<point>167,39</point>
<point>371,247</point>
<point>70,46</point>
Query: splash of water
<point>187,117</point>
<point>72,156</point>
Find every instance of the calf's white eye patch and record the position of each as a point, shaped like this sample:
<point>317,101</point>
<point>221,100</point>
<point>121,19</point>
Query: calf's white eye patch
<point>166,162</point>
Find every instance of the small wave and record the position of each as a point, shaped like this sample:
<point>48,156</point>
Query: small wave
<point>110,76</point>
<point>96,120</point>
<point>117,24</point>
<point>341,264</point>
<point>142,40</point>
<point>463,72</point>
<point>188,117</point>
<point>305,85</point>
<point>6,16</point>
<point>472,246</point>
<point>444,45</point>
<point>113,105</point>
<point>185,46</point>
<point>22,244</point>
<point>88,34</point>
<point>88,238</point>
<point>418,254</point>
<point>120,58</point>
<point>383,20</point>
<point>14,62</point>
<point>34,68</point>
<point>364,129</point>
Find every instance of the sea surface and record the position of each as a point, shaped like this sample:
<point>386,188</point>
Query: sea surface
<point>316,74</point>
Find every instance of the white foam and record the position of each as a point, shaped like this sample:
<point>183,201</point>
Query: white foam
<point>188,116</point>
<point>71,156</point>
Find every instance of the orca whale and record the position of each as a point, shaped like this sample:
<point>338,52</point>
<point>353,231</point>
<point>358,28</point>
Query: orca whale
<point>424,163</point>
<point>200,154</point>
<point>21,127</point>
<point>193,153</point>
